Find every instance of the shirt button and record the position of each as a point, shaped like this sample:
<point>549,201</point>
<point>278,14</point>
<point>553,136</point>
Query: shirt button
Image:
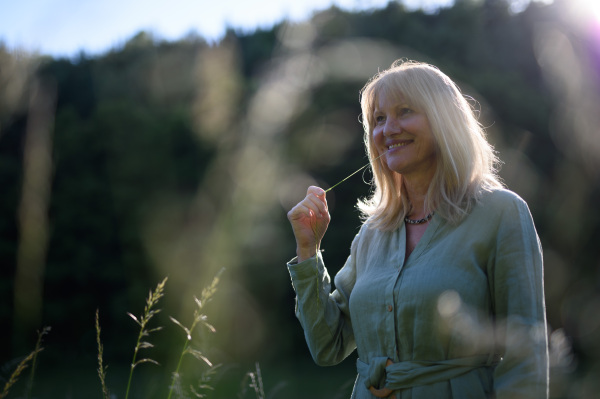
<point>390,308</point>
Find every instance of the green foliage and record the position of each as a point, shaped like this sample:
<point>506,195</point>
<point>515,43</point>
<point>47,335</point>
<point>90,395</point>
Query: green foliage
<point>152,178</point>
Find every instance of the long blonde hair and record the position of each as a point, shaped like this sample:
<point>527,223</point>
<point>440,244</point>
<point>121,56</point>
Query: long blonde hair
<point>466,162</point>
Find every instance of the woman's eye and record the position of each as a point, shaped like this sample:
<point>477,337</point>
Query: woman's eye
<point>405,111</point>
<point>379,119</point>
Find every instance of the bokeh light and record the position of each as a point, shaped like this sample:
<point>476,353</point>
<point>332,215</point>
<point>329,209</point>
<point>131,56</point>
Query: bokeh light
<point>209,187</point>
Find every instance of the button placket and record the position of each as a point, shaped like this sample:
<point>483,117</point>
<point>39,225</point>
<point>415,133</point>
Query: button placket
<point>391,317</point>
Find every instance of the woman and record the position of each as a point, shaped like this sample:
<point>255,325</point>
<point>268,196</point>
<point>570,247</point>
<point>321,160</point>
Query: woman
<point>442,294</point>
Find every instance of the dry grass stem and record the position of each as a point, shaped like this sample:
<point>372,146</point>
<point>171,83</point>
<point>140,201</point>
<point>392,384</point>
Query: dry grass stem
<point>101,367</point>
<point>17,373</point>
<point>199,318</point>
<point>38,347</point>
<point>256,383</point>
<point>149,312</point>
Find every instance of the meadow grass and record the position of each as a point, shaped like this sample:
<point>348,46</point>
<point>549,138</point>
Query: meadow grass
<point>23,364</point>
<point>256,383</point>
<point>199,319</point>
<point>176,387</point>
<point>17,373</point>
<point>101,367</point>
<point>149,312</point>
<point>38,348</point>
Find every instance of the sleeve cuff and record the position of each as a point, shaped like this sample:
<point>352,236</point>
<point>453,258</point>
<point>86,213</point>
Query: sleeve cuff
<point>306,268</point>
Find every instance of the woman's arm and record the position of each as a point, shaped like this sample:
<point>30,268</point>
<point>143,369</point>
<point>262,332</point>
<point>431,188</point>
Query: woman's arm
<point>324,315</point>
<point>518,294</point>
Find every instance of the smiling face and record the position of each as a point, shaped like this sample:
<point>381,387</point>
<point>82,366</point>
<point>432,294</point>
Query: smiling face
<point>403,133</point>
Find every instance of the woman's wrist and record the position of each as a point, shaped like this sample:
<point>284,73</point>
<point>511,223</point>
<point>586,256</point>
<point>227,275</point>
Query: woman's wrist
<point>305,253</point>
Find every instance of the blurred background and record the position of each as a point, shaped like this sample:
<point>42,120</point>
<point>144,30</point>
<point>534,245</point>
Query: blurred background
<point>166,154</point>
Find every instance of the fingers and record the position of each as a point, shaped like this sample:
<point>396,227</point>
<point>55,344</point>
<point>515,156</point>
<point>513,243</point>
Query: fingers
<point>314,203</point>
<point>317,205</point>
<point>380,393</point>
<point>318,191</point>
<point>309,220</point>
<point>316,196</point>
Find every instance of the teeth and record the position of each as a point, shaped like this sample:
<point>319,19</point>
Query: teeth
<point>398,145</point>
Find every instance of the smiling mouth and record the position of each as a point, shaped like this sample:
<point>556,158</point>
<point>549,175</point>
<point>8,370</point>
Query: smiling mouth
<point>402,144</point>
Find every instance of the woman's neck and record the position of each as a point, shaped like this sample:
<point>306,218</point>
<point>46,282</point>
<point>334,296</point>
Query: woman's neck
<point>416,191</point>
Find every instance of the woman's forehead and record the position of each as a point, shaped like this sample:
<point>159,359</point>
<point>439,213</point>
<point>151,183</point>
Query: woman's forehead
<point>388,98</point>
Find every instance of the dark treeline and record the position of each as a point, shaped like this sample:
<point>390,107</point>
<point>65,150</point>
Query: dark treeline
<point>180,158</point>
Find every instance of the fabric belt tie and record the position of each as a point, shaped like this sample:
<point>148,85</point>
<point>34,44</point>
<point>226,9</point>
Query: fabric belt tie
<point>414,373</point>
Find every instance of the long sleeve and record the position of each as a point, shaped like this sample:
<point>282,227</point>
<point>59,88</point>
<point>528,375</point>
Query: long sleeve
<point>468,292</point>
<point>324,315</point>
<point>516,279</point>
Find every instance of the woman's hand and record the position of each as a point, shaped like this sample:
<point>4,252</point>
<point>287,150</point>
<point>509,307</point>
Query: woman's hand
<point>309,219</point>
<point>382,392</point>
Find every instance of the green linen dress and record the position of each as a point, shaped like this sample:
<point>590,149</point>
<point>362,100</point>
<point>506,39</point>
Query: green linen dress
<point>462,317</point>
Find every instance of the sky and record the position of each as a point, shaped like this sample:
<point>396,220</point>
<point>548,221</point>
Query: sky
<point>65,27</point>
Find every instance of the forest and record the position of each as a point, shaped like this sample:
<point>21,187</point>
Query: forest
<point>180,159</point>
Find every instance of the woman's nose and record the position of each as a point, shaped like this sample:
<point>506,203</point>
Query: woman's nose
<point>392,126</point>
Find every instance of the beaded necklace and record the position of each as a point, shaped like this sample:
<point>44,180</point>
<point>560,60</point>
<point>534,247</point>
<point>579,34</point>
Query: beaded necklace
<point>419,221</point>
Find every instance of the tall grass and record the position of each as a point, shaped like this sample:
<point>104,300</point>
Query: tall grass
<point>176,387</point>
<point>149,312</point>
<point>101,367</point>
<point>199,319</point>
<point>38,348</point>
<point>256,383</point>
<point>23,364</point>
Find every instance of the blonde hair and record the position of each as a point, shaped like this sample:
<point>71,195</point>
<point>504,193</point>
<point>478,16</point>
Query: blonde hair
<point>466,162</point>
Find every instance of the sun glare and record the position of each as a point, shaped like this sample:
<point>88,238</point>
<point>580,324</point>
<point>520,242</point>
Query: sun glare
<point>590,8</point>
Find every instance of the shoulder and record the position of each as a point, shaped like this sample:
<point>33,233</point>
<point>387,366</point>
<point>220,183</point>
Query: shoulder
<point>500,200</point>
<point>504,210</point>
<point>500,196</point>
<point>498,207</point>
